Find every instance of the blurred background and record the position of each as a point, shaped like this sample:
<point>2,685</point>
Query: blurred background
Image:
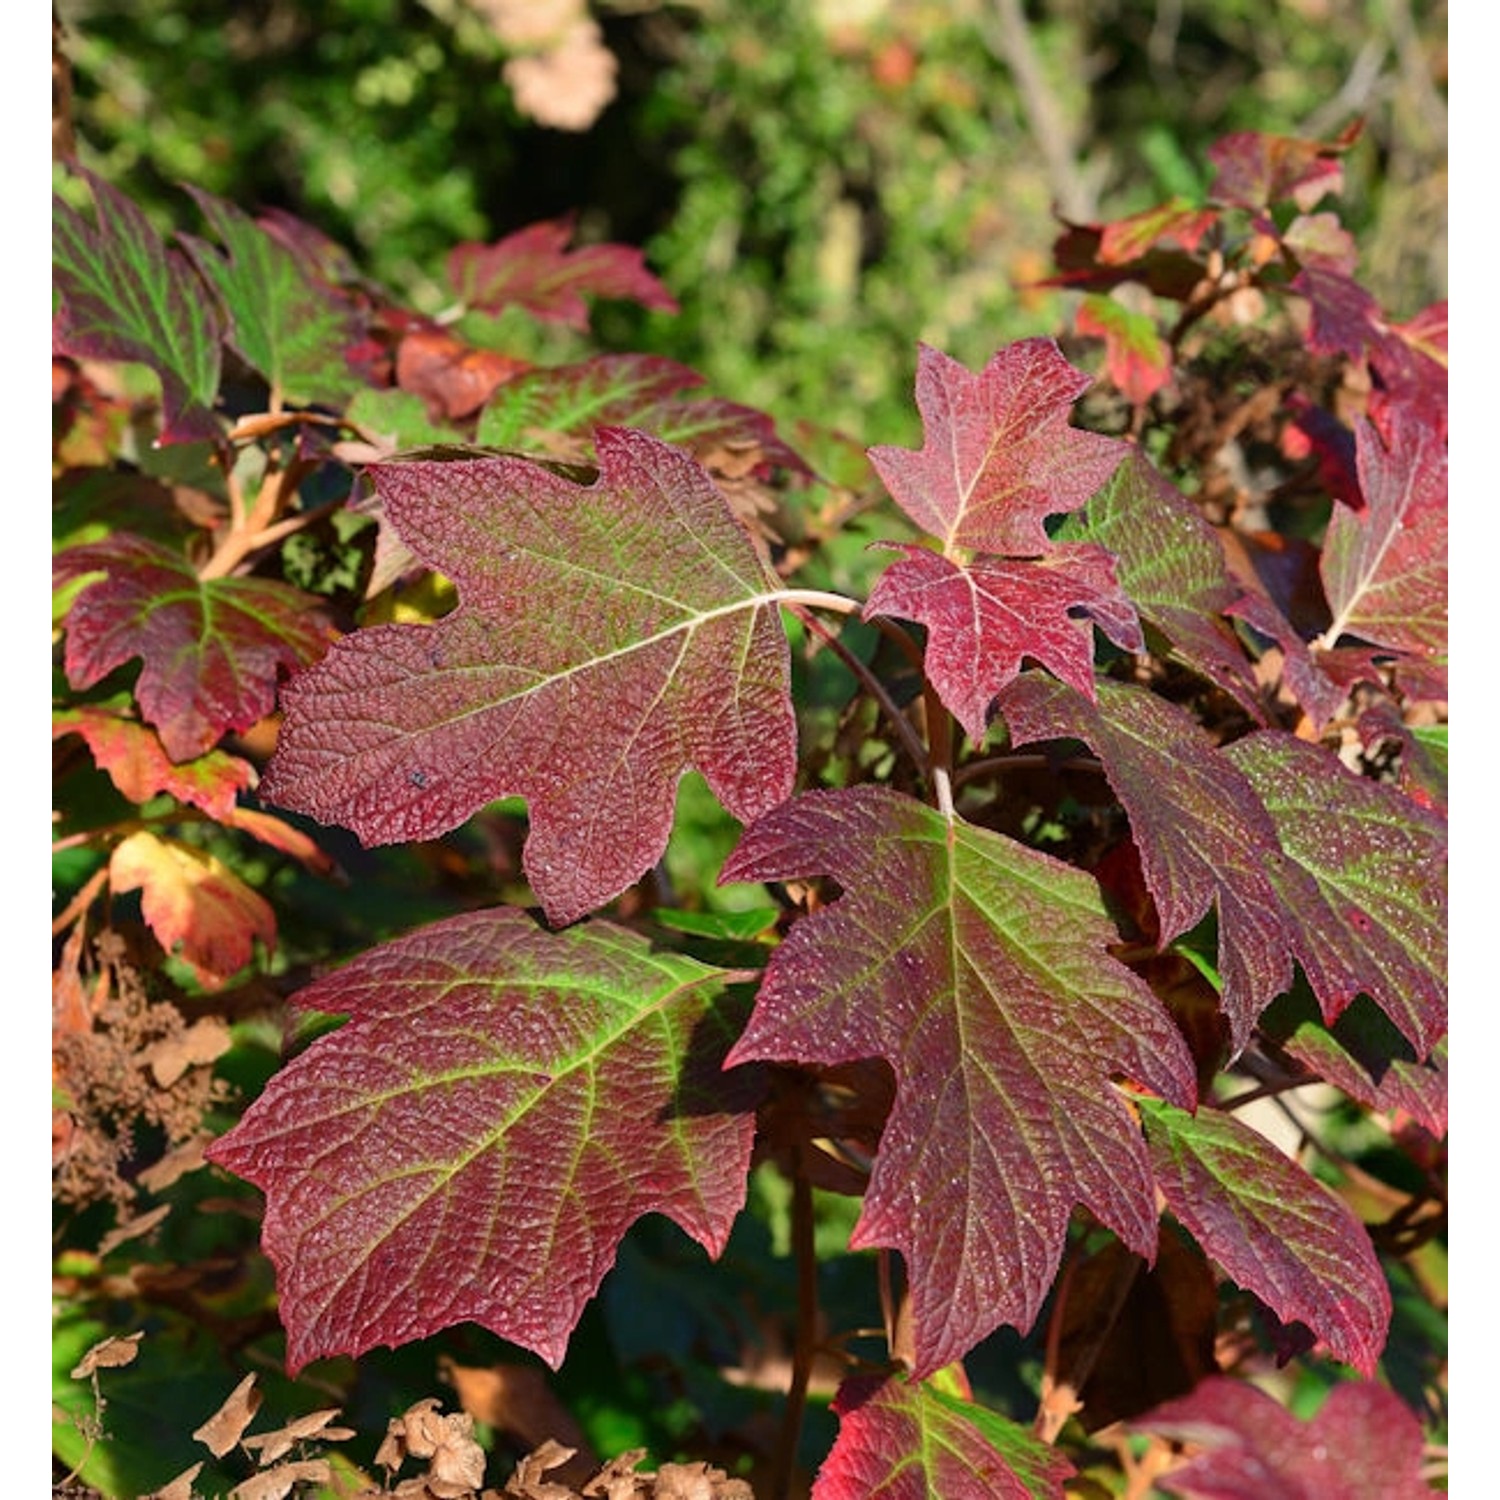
<point>821,183</point>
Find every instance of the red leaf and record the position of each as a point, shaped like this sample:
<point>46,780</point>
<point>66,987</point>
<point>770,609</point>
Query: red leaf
<point>1136,357</point>
<point>534,269</point>
<point>1000,455</point>
<point>1244,1446</point>
<point>900,1440</point>
<point>454,379</point>
<point>607,639</point>
<point>984,618</point>
<point>1256,170</point>
<point>980,971</point>
<point>210,651</point>
<point>1274,1230</point>
<point>502,1105</point>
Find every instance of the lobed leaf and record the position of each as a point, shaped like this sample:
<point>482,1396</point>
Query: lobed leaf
<point>287,325</point>
<point>502,1105</point>
<point>980,971</point>
<point>984,617</point>
<point>1136,357</point>
<point>124,295</point>
<point>1256,169</point>
<point>999,454</point>
<point>608,638</point>
<point>903,1440</point>
<point>210,650</point>
<point>1275,1230</point>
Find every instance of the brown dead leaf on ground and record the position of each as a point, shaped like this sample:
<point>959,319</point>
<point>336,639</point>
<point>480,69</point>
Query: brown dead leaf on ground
<point>278,1483</point>
<point>223,1430</point>
<point>618,1480</point>
<point>455,1460</point>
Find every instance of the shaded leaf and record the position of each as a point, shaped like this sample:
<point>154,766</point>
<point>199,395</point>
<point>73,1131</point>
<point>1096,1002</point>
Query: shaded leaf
<point>210,650</point>
<point>984,617</point>
<point>901,1440</point>
<point>1363,1441</point>
<point>534,269</point>
<point>980,971</point>
<point>1273,1228</point>
<point>1202,834</point>
<point>999,455</point>
<point>287,325</point>
<point>1385,568</point>
<point>503,1103</point>
<point>197,907</point>
<point>138,764</point>
<point>453,378</point>
<point>124,295</point>
<point>1136,357</point>
<point>658,650</point>
<point>1364,883</point>
<point>1175,222</point>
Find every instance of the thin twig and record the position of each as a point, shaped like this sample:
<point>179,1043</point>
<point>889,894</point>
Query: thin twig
<point>804,1250</point>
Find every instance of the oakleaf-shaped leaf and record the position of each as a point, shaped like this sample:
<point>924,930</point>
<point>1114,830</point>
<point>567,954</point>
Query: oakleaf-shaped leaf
<point>1256,169</point>
<point>1364,883</point>
<point>903,1440</point>
<point>195,905</point>
<point>210,650</point>
<point>1170,564</point>
<point>1202,834</point>
<point>123,294</point>
<point>139,766</point>
<point>1362,1442</point>
<point>608,638</point>
<point>502,1105</point>
<point>999,454</point>
<point>984,617</point>
<point>284,324</point>
<point>1385,568</point>
<point>980,971</point>
<point>534,269</point>
<point>1272,1228</point>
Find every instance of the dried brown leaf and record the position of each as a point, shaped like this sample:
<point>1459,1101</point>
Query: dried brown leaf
<point>180,1488</point>
<point>277,1444</point>
<point>133,1229</point>
<point>108,1354</point>
<point>187,1157</point>
<point>277,1483</point>
<point>206,1040</point>
<point>517,1400</point>
<point>223,1430</point>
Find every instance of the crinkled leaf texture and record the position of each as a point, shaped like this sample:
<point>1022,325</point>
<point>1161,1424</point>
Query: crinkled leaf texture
<point>123,294</point>
<point>1304,859</point>
<point>1272,1228</point>
<point>980,971</point>
<point>502,1105</point>
<point>608,638</point>
<point>1243,1445</point>
<point>902,1440</point>
<point>999,455</point>
<point>210,651</point>
<point>984,617</point>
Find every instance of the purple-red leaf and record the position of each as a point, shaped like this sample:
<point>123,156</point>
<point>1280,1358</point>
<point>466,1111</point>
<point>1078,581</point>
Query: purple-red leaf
<point>984,617</point>
<point>608,638</point>
<point>1364,883</point>
<point>123,294</point>
<point>1256,170</point>
<point>980,971</point>
<point>1272,1228</point>
<point>501,1106</point>
<point>210,650</point>
<point>1385,568</point>
<point>1202,834</point>
<point>902,1440</point>
<point>999,455</point>
<point>534,269</point>
<point>1136,357</point>
<point>1243,1445</point>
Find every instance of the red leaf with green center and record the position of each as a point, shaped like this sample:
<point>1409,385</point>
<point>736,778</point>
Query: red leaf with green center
<point>1176,222</point>
<point>534,269</point>
<point>1171,565</point>
<point>983,618</point>
<point>1136,357</point>
<point>138,764</point>
<point>901,1440</point>
<point>1000,455</point>
<point>210,650</point>
<point>1273,1229</point>
<point>286,325</point>
<point>1201,832</point>
<point>501,1106</point>
<point>624,390</point>
<point>1256,170</point>
<point>1363,884</point>
<point>607,639</point>
<point>980,971</point>
<point>1385,568</point>
<point>1363,1442</point>
<point>123,295</point>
